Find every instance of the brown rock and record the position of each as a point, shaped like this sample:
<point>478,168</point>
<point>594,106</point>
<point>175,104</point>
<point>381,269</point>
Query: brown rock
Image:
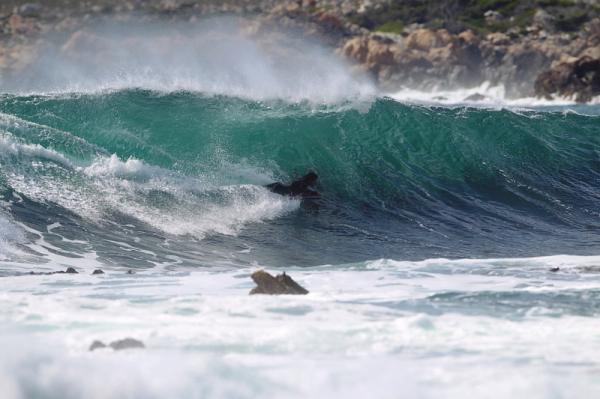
<point>357,49</point>
<point>578,78</point>
<point>468,37</point>
<point>421,39</point>
<point>282,284</point>
<point>498,39</point>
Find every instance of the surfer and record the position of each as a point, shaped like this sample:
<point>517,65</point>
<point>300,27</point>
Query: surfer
<point>298,188</point>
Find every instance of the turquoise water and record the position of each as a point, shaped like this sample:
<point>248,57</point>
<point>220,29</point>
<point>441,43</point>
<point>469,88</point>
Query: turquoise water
<point>398,181</point>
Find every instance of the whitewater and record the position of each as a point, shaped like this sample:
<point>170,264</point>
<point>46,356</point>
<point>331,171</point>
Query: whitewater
<point>454,251</point>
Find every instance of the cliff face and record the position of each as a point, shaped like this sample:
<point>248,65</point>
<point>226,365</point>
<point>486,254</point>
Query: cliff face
<point>541,47</point>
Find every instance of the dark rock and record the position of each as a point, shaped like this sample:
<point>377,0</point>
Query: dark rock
<point>126,343</point>
<point>578,78</point>
<point>130,271</point>
<point>97,345</point>
<point>282,284</point>
<point>98,271</point>
<point>554,269</point>
<point>475,97</point>
<point>30,10</point>
<point>69,270</point>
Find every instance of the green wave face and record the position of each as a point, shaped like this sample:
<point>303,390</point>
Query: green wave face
<point>396,179</point>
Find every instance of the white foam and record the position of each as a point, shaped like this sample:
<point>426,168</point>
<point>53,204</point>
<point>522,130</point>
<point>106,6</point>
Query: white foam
<point>494,96</point>
<point>10,235</point>
<point>11,146</point>
<point>208,338</point>
<point>130,169</point>
<point>109,184</point>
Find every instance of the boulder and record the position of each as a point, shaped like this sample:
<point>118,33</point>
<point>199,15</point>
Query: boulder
<point>475,97</point>
<point>282,284</point>
<point>30,10</point>
<point>97,345</point>
<point>498,39</point>
<point>468,37</point>
<point>544,20</point>
<point>425,39</point>
<point>577,78</point>
<point>98,271</point>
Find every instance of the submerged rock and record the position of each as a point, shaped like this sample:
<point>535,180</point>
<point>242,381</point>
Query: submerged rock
<point>97,345</point>
<point>98,271</point>
<point>475,97</point>
<point>69,270</point>
<point>126,343</point>
<point>282,284</point>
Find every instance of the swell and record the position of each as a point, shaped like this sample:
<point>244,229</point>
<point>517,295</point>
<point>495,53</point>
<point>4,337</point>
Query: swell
<point>398,181</point>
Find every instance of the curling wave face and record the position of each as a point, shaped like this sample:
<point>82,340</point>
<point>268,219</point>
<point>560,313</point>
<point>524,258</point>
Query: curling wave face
<point>398,181</point>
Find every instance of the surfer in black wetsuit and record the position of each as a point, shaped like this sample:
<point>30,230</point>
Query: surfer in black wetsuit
<point>298,188</point>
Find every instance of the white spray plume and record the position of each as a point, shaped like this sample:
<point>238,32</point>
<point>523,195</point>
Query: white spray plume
<point>223,56</point>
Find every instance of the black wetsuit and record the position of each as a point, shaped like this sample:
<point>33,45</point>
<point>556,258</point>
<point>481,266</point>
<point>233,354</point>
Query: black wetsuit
<point>298,188</point>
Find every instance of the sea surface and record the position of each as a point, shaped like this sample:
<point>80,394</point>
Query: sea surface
<point>455,251</point>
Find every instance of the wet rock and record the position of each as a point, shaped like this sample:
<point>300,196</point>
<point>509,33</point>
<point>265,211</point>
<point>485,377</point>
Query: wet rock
<point>554,269</point>
<point>69,270</point>
<point>475,97</point>
<point>98,271</point>
<point>126,343</point>
<point>97,345</point>
<point>121,344</point>
<point>130,271</point>
<point>573,77</point>
<point>282,284</point>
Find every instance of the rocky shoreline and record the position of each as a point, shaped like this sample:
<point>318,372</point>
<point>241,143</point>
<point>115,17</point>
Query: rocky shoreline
<point>543,56</point>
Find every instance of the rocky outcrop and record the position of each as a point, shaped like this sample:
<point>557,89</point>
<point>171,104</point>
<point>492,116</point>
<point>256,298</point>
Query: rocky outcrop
<point>415,55</point>
<point>424,55</point>
<point>282,284</point>
<point>577,78</point>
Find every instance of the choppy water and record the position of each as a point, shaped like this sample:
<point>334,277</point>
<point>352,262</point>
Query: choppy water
<point>428,258</point>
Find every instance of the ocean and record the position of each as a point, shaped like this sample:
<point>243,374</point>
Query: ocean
<point>455,249</point>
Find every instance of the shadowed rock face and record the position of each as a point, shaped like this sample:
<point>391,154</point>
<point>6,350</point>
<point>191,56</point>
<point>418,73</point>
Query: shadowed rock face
<point>282,284</point>
<point>579,78</point>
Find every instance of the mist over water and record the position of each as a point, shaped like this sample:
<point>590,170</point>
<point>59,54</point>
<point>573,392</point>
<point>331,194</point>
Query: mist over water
<point>224,56</point>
